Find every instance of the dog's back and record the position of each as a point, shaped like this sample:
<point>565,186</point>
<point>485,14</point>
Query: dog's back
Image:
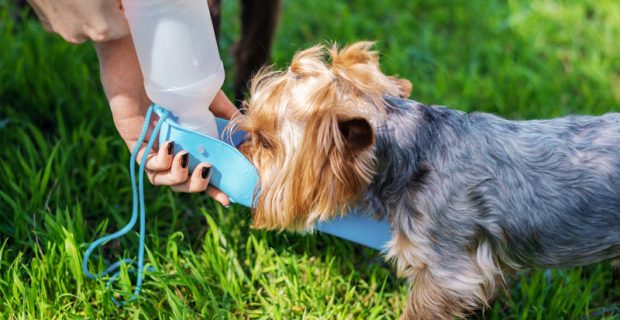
<point>557,184</point>
<point>543,192</point>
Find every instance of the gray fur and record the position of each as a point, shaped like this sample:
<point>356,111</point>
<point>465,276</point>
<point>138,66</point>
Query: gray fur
<point>541,193</point>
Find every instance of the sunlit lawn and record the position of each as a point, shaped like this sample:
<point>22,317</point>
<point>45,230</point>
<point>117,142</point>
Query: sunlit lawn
<point>64,181</point>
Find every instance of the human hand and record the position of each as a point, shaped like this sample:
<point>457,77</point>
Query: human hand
<point>123,85</point>
<point>79,20</point>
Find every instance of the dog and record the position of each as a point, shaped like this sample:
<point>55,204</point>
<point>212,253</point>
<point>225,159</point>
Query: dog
<point>469,196</point>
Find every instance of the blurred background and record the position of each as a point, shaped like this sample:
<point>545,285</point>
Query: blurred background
<point>64,179</point>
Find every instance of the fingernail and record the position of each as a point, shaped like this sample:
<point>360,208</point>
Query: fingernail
<point>205,172</point>
<point>184,160</point>
<point>228,206</point>
<point>170,147</point>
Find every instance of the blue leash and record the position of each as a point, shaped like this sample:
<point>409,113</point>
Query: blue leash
<point>138,203</point>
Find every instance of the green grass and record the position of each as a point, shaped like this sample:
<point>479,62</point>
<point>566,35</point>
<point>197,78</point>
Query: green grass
<point>64,181</point>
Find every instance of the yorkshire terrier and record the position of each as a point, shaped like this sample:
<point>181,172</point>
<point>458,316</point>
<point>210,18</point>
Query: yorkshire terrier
<point>467,195</point>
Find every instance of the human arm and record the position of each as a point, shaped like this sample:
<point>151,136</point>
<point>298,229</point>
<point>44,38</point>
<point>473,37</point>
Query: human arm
<point>123,84</point>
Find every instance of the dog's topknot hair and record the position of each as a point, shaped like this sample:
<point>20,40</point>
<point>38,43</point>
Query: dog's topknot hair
<point>354,67</point>
<point>309,63</point>
<point>359,66</point>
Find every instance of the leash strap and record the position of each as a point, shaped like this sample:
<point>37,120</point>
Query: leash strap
<point>138,206</point>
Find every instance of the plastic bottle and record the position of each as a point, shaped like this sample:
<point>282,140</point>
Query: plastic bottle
<point>179,58</point>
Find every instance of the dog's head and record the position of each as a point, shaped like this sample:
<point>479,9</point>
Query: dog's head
<point>312,135</point>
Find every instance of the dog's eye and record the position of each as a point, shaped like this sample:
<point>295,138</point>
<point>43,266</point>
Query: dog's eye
<point>263,142</point>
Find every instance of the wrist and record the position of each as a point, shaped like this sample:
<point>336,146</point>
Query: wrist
<point>120,74</point>
<point>122,82</point>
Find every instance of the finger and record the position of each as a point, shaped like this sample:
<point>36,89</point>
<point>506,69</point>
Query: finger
<point>111,27</point>
<point>59,18</point>
<point>70,35</point>
<point>197,182</point>
<point>119,22</point>
<point>105,22</point>
<point>218,195</point>
<point>159,161</point>
<point>176,175</point>
<point>97,30</point>
<point>73,38</point>
<point>162,160</point>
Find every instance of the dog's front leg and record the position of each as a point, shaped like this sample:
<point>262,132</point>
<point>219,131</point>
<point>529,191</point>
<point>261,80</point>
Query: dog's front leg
<point>445,282</point>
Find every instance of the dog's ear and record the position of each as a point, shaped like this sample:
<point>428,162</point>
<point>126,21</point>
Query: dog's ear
<point>357,134</point>
<point>404,86</point>
<point>358,65</point>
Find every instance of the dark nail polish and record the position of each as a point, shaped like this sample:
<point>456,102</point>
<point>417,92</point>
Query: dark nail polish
<point>205,172</point>
<point>170,148</point>
<point>184,160</point>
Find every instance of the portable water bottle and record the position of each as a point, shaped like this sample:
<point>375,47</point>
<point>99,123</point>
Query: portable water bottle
<point>179,58</point>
